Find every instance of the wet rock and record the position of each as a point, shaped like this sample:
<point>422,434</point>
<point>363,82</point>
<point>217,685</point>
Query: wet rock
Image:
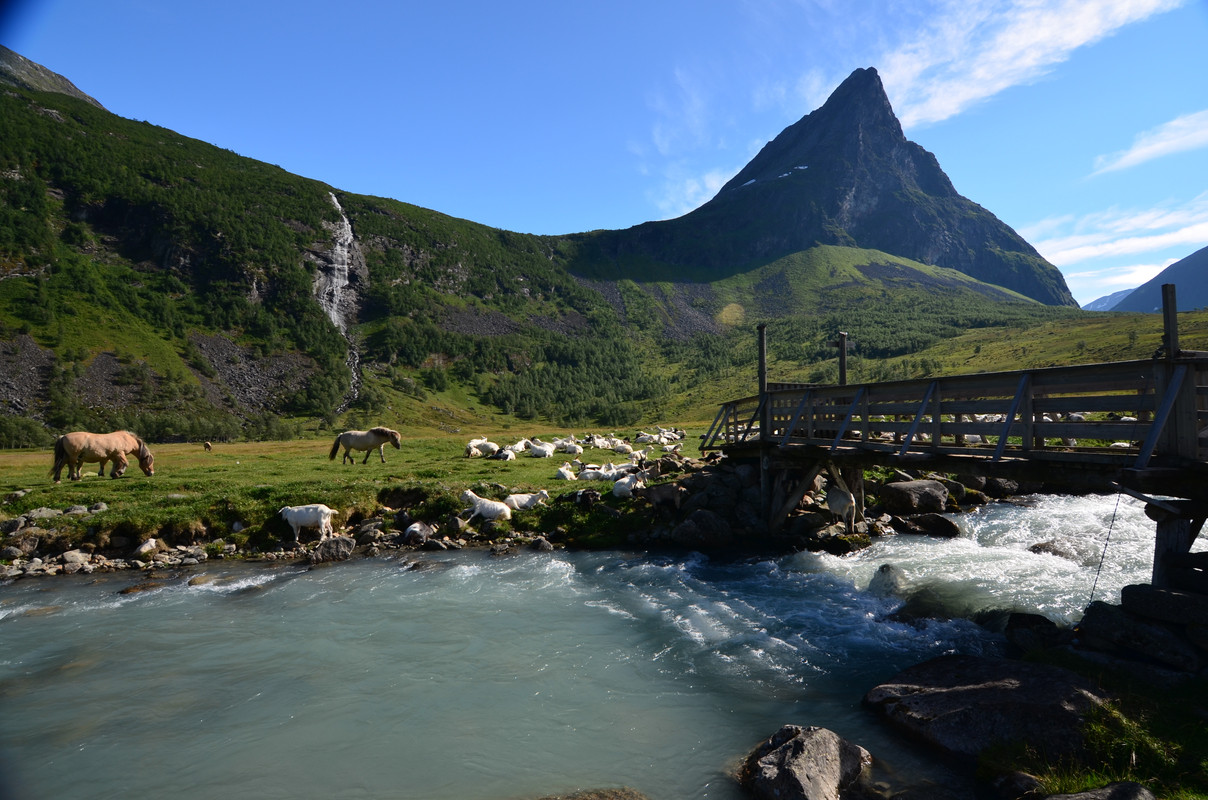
<point>888,581</point>
<point>541,544</point>
<point>1111,629</point>
<point>926,525</point>
<point>913,497</point>
<point>1168,605</point>
<point>703,530</point>
<point>147,548</point>
<point>74,561</point>
<point>964,704</point>
<point>417,533</point>
<point>1053,548</point>
<point>1125,790</point>
<point>1030,632</point>
<point>798,763</point>
<point>999,488</point>
<point>333,548</point>
<point>622,793</point>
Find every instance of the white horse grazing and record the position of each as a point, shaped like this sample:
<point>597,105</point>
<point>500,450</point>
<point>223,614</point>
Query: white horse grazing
<point>367,441</point>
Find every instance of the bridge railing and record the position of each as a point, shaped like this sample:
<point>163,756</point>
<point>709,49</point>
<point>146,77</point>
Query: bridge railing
<point>1122,412</point>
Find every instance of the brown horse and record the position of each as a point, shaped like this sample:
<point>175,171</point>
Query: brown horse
<point>74,449</point>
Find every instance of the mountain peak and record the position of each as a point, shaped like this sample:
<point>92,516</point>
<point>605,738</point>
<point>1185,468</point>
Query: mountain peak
<point>856,116</point>
<point>844,174</point>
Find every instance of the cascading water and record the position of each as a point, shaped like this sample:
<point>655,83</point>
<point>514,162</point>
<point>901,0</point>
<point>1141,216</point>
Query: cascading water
<point>332,291</point>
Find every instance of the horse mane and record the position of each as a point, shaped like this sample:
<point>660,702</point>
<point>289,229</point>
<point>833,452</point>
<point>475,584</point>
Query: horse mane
<point>382,430</point>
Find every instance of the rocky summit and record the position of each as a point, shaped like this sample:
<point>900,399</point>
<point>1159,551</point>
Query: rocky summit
<point>843,175</point>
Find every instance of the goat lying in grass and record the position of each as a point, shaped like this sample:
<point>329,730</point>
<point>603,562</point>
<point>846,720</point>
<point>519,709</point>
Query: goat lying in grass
<point>520,502</point>
<point>624,487</point>
<point>313,515</point>
<point>484,507</point>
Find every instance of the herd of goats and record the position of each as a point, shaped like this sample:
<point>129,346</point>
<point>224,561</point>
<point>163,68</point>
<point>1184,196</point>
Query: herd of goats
<point>626,477</point>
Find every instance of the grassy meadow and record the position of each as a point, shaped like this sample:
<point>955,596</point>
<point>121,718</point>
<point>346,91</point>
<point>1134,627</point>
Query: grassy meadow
<point>248,482</point>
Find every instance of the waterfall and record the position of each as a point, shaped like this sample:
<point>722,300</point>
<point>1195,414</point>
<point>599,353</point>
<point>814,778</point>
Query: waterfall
<point>333,280</point>
<point>337,299</point>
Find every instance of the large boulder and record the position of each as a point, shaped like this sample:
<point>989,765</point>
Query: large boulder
<point>913,497</point>
<point>798,763</point>
<point>703,530</point>
<point>964,704</point>
<point>333,548</point>
<point>1113,630</point>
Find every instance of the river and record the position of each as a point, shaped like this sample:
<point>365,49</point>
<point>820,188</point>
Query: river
<point>510,677</point>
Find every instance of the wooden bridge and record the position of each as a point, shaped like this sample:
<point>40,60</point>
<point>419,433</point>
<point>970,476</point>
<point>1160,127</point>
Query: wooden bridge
<point>1139,427</point>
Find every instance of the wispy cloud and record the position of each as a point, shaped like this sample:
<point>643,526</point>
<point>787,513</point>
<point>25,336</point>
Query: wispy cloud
<point>1188,132</point>
<point>974,49</point>
<point>680,193</point>
<point>1119,233</point>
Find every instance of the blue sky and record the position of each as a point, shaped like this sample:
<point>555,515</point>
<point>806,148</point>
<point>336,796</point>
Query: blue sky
<point>1083,124</point>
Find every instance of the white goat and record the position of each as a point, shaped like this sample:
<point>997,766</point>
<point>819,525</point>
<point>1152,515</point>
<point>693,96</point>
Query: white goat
<point>566,473</point>
<point>520,502</point>
<point>540,449</point>
<point>313,515</point>
<point>484,446</point>
<point>625,486</point>
<point>843,506</point>
<point>484,507</point>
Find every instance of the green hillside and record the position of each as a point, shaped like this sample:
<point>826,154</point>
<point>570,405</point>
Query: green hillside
<point>156,282</point>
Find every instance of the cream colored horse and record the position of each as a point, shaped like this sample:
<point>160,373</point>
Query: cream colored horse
<point>75,449</point>
<point>367,441</point>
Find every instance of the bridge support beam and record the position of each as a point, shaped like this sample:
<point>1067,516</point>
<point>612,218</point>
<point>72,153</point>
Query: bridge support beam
<point>1179,523</point>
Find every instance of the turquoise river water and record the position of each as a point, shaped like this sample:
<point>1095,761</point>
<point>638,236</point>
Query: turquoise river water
<point>510,677</point>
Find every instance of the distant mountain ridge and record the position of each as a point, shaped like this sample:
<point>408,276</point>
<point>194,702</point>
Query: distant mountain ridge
<point>1190,277</point>
<point>1107,302</point>
<point>843,175</point>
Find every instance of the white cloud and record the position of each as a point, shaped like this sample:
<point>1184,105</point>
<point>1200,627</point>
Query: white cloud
<point>1113,279</point>
<point>1121,232</point>
<point>1188,132</point>
<point>974,49</point>
<point>680,194</point>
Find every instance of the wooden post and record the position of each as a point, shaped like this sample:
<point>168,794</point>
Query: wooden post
<point>763,359</point>
<point>1170,322</point>
<point>841,343</point>
<point>765,467</point>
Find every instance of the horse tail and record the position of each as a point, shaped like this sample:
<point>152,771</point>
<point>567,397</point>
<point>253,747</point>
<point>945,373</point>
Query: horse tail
<point>60,456</point>
<point>335,449</point>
